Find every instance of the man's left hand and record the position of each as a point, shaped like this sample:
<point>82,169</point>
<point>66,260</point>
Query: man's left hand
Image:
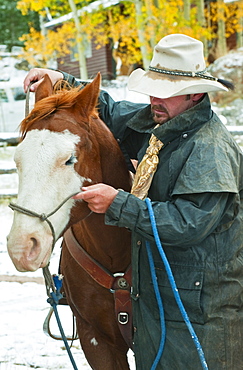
<point>99,197</point>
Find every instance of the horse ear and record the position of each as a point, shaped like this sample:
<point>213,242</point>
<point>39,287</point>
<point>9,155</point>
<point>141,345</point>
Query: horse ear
<point>45,89</point>
<point>89,96</point>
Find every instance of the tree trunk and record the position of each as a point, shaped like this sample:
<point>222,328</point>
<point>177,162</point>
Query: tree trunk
<point>202,21</point>
<point>240,32</point>
<point>148,4</point>
<point>222,47</point>
<point>187,9</point>
<point>142,40</point>
<point>80,43</point>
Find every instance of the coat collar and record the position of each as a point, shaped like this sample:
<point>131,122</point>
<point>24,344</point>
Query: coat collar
<point>190,120</point>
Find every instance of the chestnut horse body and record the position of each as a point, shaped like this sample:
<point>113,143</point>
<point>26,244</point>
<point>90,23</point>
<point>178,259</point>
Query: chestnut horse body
<point>65,146</point>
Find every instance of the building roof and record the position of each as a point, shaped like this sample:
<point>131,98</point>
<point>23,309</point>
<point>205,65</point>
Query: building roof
<point>89,8</point>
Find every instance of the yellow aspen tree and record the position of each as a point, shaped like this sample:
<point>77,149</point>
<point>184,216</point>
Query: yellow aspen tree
<point>39,6</point>
<point>187,9</point>
<point>200,5</point>
<point>149,6</point>
<point>133,26</point>
<point>79,41</point>
<point>141,34</point>
<point>224,19</point>
<point>221,48</point>
<point>240,24</point>
<point>40,49</point>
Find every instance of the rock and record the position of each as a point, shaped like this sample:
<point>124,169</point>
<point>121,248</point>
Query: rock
<point>228,67</point>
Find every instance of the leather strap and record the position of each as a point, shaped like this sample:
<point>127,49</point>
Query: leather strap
<point>118,283</point>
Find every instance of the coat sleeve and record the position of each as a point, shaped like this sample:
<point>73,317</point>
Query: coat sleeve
<point>182,222</point>
<point>115,114</point>
<point>71,79</point>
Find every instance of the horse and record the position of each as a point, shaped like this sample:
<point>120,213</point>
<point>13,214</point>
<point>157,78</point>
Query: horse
<point>64,146</point>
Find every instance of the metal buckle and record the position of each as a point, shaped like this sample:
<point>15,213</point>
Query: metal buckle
<point>123,318</point>
<point>117,274</point>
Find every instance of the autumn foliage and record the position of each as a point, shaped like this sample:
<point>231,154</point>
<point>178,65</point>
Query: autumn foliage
<point>133,26</point>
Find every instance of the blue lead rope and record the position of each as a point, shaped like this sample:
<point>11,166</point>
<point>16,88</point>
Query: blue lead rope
<point>54,300</point>
<point>160,305</point>
<point>174,290</point>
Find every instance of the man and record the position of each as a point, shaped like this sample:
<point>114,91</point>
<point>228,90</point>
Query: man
<point>196,190</point>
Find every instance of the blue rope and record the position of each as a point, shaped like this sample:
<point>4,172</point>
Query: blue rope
<point>54,300</point>
<point>174,287</point>
<point>160,305</point>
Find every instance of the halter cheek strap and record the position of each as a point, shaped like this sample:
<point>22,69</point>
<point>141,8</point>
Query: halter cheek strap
<point>43,217</point>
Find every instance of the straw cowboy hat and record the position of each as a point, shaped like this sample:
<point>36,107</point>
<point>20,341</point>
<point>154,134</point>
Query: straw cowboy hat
<point>177,68</point>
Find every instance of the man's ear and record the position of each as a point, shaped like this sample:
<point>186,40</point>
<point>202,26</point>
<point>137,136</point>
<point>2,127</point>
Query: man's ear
<point>197,97</point>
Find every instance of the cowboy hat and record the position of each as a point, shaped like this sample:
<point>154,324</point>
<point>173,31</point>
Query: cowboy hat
<point>177,68</point>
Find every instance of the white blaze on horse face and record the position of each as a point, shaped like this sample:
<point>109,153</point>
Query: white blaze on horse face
<point>46,178</point>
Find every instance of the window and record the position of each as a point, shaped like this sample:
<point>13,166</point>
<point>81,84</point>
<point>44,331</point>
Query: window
<point>3,96</point>
<point>18,93</point>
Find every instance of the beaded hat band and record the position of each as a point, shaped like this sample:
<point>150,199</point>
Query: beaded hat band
<point>182,73</point>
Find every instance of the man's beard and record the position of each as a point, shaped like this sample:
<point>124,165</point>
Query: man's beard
<point>157,117</point>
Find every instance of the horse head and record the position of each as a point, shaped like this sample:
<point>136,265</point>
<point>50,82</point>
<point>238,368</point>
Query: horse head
<point>64,146</point>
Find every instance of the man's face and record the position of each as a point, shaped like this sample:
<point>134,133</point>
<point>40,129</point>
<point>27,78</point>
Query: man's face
<point>165,109</point>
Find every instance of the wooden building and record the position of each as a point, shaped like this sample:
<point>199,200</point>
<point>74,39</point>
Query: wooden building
<point>97,60</point>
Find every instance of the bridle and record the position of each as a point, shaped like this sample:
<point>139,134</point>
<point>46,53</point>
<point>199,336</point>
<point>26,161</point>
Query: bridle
<point>45,217</point>
<point>42,216</point>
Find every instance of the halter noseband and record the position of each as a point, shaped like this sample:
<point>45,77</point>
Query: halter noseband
<point>43,217</point>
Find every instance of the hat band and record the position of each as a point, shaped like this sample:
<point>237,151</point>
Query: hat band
<point>181,73</point>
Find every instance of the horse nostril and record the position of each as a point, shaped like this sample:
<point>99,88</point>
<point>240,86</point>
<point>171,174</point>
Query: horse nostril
<point>34,249</point>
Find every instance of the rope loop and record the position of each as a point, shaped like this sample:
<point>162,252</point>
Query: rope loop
<point>42,216</point>
<point>174,290</point>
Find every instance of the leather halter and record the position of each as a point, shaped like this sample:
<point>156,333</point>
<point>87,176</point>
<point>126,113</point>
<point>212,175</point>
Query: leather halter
<point>119,284</point>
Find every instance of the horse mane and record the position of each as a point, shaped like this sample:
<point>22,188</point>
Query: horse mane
<point>63,97</point>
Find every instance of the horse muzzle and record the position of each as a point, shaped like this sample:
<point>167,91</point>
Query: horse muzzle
<point>28,253</point>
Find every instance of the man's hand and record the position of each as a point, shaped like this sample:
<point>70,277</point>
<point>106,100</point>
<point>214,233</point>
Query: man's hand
<point>99,197</point>
<point>36,75</point>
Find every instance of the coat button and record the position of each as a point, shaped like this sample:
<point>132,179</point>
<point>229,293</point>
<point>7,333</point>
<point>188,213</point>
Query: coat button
<point>139,242</point>
<point>184,136</point>
<point>197,283</point>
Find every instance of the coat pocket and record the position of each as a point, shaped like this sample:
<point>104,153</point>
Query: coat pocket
<point>189,282</point>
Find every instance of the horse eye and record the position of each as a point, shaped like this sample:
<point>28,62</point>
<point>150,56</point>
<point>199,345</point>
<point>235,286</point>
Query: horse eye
<point>71,160</point>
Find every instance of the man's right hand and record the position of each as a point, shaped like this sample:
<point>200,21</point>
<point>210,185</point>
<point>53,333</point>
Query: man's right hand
<point>35,75</point>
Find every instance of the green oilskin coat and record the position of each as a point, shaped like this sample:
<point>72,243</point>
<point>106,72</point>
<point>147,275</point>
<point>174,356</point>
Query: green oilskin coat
<point>196,195</point>
<point>197,198</point>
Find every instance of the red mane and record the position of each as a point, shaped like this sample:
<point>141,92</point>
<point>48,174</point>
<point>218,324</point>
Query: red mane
<point>60,100</point>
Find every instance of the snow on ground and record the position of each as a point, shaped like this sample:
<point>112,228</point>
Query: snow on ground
<point>23,345</point>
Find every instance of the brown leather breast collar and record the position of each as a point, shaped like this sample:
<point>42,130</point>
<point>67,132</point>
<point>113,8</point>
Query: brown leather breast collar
<point>118,283</point>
